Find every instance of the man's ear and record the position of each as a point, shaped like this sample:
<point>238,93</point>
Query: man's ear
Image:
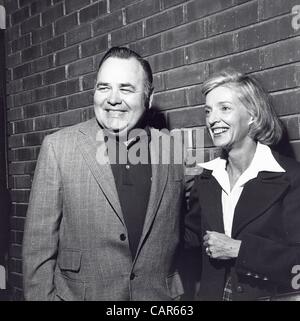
<point>150,100</point>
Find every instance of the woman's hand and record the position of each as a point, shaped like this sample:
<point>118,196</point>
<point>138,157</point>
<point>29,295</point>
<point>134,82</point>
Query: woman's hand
<point>221,246</point>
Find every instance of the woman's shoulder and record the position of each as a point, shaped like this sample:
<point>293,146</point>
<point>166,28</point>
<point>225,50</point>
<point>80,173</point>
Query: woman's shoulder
<point>289,164</point>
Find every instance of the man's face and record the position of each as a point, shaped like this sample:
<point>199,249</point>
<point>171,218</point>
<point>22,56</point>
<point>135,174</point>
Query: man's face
<point>119,99</point>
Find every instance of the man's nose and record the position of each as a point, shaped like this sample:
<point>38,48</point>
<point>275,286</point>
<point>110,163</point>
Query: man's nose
<point>114,98</point>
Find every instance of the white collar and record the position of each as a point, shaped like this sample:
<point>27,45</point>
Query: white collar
<point>263,160</point>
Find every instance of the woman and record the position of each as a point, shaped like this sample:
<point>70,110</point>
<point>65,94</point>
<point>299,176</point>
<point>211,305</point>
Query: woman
<point>245,206</point>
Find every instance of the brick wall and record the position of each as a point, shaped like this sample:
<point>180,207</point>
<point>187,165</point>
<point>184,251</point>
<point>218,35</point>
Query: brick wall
<point>54,47</point>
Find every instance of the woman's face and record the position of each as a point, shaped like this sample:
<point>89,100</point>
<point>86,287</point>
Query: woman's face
<point>227,119</point>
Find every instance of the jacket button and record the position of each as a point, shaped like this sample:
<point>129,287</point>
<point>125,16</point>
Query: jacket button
<point>132,276</point>
<point>122,237</point>
<point>239,289</point>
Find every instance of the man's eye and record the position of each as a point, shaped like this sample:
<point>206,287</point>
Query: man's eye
<point>225,108</point>
<point>126,90</point>
<point>207,111</point>
<point>102,88</point>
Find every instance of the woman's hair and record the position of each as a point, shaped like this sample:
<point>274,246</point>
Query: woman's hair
<point>266,127</point>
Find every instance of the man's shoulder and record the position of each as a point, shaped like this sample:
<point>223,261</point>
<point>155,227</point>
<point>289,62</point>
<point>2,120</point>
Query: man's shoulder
<point>69,133</point>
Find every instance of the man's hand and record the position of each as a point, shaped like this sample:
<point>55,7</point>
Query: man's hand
<point>220,246</point>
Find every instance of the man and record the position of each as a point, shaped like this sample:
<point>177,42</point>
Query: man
<point>98,229</point>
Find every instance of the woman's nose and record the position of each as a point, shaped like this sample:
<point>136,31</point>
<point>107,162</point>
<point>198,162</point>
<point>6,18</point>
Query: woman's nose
<point>213,117</point>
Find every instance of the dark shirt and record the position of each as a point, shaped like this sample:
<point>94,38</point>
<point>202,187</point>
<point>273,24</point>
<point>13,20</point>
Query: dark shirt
<point>133,182</point>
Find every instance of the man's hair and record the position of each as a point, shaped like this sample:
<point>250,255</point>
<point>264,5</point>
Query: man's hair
<point>266,127</point>
<point>126,53</point>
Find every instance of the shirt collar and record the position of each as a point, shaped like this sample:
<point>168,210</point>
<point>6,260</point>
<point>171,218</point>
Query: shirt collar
<point>263,160</point>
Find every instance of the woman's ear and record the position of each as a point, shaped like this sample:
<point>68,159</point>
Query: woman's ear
<point>251,121</point>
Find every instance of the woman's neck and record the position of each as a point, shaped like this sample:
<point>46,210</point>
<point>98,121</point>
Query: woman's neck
<point>239,160</point>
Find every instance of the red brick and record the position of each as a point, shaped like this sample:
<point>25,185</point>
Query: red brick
<point>45,122</point>
<point>194,96</point>
<point>117,4</point>
<point>33,110</point>
<point>14,114</point>
<point>55,75</point>
<point>94,46</point>
<point>141,10</point>
<point>21,71</point>
<point>79,34</point>
<point>42,64</point>
<point>271,8</point>
<point>87,113</point>
<point>20,43</point>
<point>23,126</point>
<point>66,23</point>
<point>15,141</point>
<point>23,98</point>
<point>147,46</point>
<point>30,24</point>
<point>13,32</point>
<point>92,12</point>
<point>52,14</point>
<point>81,67</point>
<point>291,124</point>
<point>186,75</point>
<point>67,87</point>
<point>127,34</point>
<point>201,8</point>
<point>189,117</point>
<point>265,33</point>
<point>108,23</point>
<point>31,53</point>
<point>32,81</point>
<point>82,99</point>
<point>11,6</point>
<point>170,3</point>
<point>244,62</point>
<point>70,118</point>
<point>20,15</point>
<point>45,92</point>
<point>52,45</point>
<point>72,5</point>
<point>296,149</point>
<point>170,99</point>
<point>39,6</point>
<point>283,52</point>
<point>56,105</point>
<point>67,55</point>
<point>88,81</point>
<point>42,34</point>
<point>287,102</point>
<point>13,59</point>
<point>22,168</point>
<point>14,86</point>
<point>158,82</point>
<point>184,35</point>
<point>24,154</point>
<point>24,2</point>
<point>211,48</point>
<point>233,19</point>
<point>20,210</point>
<point>285,77</point>
<point>167,60</point>
<point>164,21</point>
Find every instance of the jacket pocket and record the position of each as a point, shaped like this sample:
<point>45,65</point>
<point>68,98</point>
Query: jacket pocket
<point>69,260</point>
<point>174,286</point>
<point>68,290</point>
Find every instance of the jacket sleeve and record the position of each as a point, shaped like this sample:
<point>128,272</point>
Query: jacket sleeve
<point>276,260</point>
<point>41,233</point>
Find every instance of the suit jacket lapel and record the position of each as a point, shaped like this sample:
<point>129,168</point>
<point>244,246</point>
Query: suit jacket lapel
<point>258,195</point>
<point>159,180</point>
<point>90,142</point>
<point>212,201</point>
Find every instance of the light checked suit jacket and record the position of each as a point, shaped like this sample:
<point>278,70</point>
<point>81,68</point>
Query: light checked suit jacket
<point>73,249</point>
